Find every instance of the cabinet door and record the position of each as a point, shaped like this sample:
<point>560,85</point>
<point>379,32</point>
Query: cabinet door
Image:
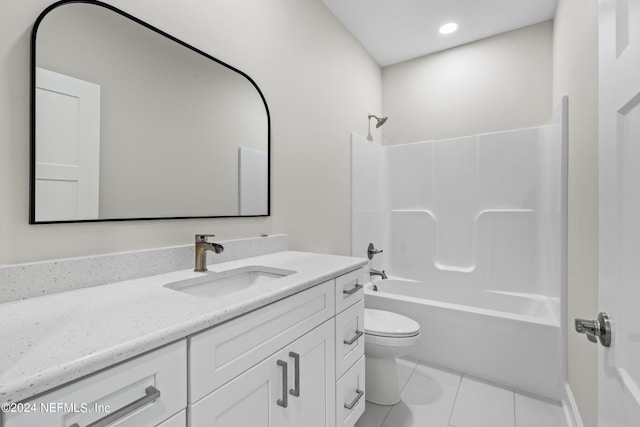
<point>312,370</point>
<point>258,397</point>
<point>248,400</point>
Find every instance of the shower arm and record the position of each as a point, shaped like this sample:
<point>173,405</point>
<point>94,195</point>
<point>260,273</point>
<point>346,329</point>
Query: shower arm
<point>379,120</point>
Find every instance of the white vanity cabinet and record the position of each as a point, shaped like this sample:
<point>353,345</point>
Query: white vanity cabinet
<point>284,364</point>
<point>149,390</point>
<point>294,362</point>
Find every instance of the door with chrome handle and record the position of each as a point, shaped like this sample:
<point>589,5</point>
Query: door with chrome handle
<point>596,329</point>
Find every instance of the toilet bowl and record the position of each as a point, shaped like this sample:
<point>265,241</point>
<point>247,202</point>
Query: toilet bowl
<point>387,335</point>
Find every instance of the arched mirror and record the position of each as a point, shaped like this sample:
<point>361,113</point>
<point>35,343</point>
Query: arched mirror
<point>129,122</point>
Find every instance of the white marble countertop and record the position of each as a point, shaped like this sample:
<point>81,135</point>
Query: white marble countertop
<point>51,340</point>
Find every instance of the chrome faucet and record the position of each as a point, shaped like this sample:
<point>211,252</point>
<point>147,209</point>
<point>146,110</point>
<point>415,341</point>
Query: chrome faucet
<point>202,246</point>
<point>382,274</point>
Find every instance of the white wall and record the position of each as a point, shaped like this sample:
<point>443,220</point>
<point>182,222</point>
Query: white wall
<point>368,176</point>
<point>319,84</point>
<point>499,83</point>
<point>576,74</point>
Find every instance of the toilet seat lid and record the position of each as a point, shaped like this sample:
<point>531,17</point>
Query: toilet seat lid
<point>387,324</point>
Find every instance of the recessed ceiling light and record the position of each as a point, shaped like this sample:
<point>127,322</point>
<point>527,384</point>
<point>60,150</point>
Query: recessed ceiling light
<point>448,28</point>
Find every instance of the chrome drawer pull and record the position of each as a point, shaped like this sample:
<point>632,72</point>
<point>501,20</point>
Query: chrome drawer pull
<point>151,394</point>
<point>359,394</point>
<point>354,338</point>
<point>295,391</point>
<point>353,290</point>
<point>284,402</point>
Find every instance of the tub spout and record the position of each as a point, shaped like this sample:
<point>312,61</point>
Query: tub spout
<point>382,274</point>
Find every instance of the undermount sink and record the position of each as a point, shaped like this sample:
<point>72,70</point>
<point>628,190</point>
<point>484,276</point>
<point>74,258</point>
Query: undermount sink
<point>215,284</point>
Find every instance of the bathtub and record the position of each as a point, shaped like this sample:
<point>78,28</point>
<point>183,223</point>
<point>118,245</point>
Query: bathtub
<point>512,339</point>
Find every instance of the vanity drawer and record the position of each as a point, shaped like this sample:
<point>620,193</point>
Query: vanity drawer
<point>349,337</point>
<point>160,374</point>
<point>350,396</point>
<point>222,353</point>
<point>349,288</point>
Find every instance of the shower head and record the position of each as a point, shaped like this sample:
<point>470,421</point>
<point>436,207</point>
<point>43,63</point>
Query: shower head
<point>379,121</point>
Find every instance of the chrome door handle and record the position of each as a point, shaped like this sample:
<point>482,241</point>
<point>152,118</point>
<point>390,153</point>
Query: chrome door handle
<point>151,394</point>
<point>359,394</point>
<point>600,328</point>
<point>284,402</point>
<point>354,338</point>
<point>353,290</point>
<point>295,391</point>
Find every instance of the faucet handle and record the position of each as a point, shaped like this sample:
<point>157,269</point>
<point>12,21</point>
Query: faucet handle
<point>202,238</point>
<point>371,251</point>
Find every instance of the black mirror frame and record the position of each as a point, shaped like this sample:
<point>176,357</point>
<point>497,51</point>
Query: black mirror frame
<point>32,159</point>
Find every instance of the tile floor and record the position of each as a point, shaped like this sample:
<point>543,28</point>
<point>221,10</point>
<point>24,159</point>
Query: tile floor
<point>440,398</point>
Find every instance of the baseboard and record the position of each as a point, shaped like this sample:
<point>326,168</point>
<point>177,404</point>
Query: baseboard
<point>571,412</point>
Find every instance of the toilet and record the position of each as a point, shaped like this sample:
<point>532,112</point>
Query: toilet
<point>387,335</point>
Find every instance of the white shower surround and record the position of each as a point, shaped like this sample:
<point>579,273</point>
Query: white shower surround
<point>470,218</point>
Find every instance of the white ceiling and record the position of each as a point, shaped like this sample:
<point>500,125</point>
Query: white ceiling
<point>397,30</point>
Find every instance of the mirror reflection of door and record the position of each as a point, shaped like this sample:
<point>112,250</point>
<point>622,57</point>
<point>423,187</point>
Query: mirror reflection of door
<point>253,168</point>
<point>68,156</point>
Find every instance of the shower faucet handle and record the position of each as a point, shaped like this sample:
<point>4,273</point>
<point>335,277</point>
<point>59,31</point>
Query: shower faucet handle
<point>371,251</point>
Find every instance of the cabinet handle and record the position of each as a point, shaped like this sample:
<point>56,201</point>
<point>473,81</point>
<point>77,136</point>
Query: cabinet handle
<point>354,338</point>
<point>284,402</point>
<point>151,394</point>
<point>295,391</point>
<point>359,394</point>
<point>353,290</point>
